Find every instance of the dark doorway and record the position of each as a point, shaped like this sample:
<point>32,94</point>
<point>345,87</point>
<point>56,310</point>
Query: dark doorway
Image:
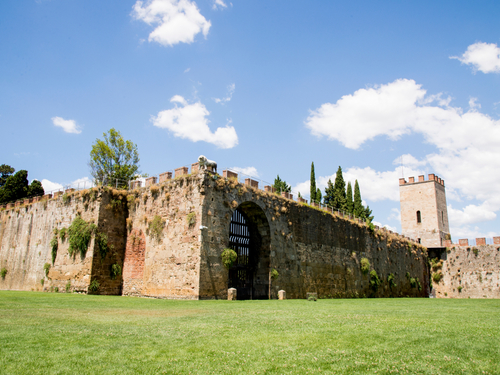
<point>241,274</point>
<point>249,237</point>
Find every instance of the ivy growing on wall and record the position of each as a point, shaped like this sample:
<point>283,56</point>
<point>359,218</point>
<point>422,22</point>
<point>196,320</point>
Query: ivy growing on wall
<point>79,234</point>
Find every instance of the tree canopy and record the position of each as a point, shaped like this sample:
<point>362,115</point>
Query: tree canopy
<point>280,186</point>
<point>339,194</point>
<point>5,172</point>
<point>16,186</point>
<point>114,159</point>
<point>349,201</point>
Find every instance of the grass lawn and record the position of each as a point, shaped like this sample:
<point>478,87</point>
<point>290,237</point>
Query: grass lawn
<point>49,333</point>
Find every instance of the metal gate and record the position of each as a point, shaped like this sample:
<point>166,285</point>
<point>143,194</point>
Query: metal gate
<point>241,274</point>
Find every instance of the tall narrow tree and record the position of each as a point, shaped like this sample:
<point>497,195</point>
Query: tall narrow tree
<point>328,199</point>
<point>318,196</point>
<point>358,203</point>
<point>339,196</point>
<point>313,184</point>
<point>349,201</point>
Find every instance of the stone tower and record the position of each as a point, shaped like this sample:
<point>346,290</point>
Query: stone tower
<point>424,216</point>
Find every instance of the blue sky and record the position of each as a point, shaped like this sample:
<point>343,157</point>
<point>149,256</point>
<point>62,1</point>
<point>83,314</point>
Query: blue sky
<point>266,87</point>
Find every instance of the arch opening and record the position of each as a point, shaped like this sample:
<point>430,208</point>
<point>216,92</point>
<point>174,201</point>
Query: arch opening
<point>249,236</point>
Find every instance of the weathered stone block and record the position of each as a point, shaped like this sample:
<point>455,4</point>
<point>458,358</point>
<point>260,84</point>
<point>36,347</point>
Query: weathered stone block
<point>150,181</point>
<point>195,167</point>
<point>252,183</point>
<point>181,171</point>
<point>281,295</point>
<point>463,242</point>
<point>480,241</point>
<point>229,174</point>
<point>165,176</point>
<point>231,294</point>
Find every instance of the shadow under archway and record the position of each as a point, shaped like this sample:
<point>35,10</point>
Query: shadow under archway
<point>250,237</point>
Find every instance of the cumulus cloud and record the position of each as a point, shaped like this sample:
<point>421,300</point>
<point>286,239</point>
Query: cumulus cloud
<point>69,126</point>
<point>484,57</point>
<point>249,171</point>
<point>471,214</point>
<point>229,96</point>
<point>466,142</point>
<point>219,4</point>
<point>80,183</point>
<point>373,185</point>
<point>49,186</point>
<point>189,121</point>
<point>175,21</point>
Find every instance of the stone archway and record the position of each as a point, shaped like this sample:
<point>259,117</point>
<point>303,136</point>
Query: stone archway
<point>250,237</point>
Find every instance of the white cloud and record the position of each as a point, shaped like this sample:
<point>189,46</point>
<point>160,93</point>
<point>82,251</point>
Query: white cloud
<point>219,4</point>
<point>190,122</point>
<point>484,57</point>
<point>466,142</point>
<point>473,105</point>
<point>187,70</point>
<point>395,215</point>
<point>80,183</point>
<point>69,126</point>
<point>471,214</point>
<point>49,186</point>
<point>230,92</point>
<point>385,226</point>
<point>176,21</point>
<point>249,171</point>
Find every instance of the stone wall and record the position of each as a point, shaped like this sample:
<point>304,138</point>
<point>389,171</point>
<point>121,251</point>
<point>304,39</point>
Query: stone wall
<point>168,237</point>
<point>312,250</point>
<point>164,263</point>
<point>25,235</point>
<point>469,272</point>
<point>25,242</point>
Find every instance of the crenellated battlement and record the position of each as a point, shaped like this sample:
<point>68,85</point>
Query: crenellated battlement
<point>421,178</point>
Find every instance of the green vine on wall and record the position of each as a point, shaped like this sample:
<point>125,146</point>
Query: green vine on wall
<point>79,235</point>
<point>156,227</point>
<point>115,271</point>
<point>54,244</point>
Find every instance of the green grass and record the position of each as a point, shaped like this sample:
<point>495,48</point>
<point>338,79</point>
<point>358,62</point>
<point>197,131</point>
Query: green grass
<point>48,333</point>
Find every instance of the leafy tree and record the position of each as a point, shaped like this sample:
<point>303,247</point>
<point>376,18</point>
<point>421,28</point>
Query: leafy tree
<point>349,201</point>
<point>339,196</point>
<point>368,214</point>
<point>318,196</point>
<point>5,172</point>
<point>280,186</point>
<point>328,199</point>
<point>313,184</point>
<point>113,158</point>
<point>35,189</point>
<point>16,187</point>
<point>359,210</point>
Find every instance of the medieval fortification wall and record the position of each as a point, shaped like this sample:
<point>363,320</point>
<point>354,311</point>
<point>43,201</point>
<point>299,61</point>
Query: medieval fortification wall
<point>469,271</point>
<point>167,238</point>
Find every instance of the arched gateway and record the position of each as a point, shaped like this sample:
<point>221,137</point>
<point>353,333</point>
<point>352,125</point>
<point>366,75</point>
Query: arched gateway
<point>249,236</point>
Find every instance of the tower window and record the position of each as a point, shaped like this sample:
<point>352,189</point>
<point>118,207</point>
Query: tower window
<point>419,217</point>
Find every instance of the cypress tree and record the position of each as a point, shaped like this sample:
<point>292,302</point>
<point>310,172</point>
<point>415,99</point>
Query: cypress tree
<point>359,210</point>
<point>313,184</point>
<point>339,196</point>
<point>328,199</point>
<point>318,196</point>
<point>349,201</point>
